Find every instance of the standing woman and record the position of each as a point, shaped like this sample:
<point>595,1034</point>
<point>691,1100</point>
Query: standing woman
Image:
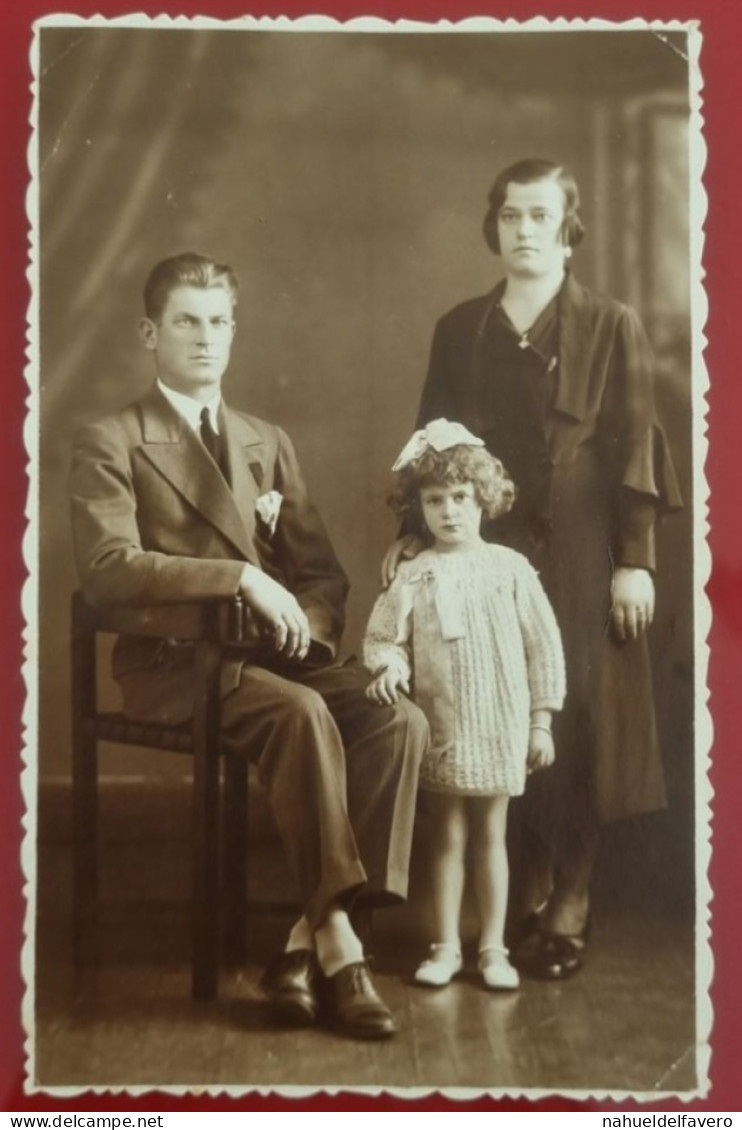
<point>558,381</point>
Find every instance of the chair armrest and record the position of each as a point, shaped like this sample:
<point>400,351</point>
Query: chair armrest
<point>223,621</point>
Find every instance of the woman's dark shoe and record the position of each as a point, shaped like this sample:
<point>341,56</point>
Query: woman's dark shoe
<point>552,957</point>
<point>292,984</point>
<point>353,1006</point>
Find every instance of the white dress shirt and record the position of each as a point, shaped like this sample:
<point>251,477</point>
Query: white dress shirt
<point>191,409</point>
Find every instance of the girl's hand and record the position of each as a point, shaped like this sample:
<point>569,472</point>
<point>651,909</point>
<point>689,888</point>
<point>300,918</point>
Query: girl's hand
<point>540,750</point>
<point>407,547</point>
<point>384,690</point>
<point>632,609</point>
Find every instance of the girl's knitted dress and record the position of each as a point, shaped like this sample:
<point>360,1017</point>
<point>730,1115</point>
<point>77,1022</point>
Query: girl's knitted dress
<point>475,631</point>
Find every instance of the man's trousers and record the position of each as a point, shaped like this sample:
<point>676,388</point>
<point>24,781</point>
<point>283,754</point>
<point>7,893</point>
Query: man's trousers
<point>340,772</point>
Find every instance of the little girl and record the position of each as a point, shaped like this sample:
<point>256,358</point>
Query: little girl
<point>466,625</point>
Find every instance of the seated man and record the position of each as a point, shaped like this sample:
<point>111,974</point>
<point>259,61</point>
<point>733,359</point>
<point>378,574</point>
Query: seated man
<point>177,498</point>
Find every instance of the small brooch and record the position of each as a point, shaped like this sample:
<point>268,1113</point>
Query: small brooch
<point>268,507</point>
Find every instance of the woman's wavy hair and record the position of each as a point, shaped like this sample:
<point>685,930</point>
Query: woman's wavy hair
<point>527,172</point>
<point>493,489</point>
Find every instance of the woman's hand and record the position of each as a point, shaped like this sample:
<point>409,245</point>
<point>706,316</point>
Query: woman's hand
<point>407,547</point>
<point>540,749</point>
<point>384,689</point>
<point>632,610</point>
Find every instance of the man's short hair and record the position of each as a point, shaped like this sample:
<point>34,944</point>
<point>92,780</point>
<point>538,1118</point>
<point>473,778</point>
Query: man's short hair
<point>186,269</point>
<point>527,172</point>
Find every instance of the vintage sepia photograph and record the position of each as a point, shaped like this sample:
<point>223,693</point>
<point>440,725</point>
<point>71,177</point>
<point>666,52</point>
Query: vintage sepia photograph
<point>367,737</point>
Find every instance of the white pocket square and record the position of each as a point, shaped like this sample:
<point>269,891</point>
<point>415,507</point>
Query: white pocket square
<point>268,507</point>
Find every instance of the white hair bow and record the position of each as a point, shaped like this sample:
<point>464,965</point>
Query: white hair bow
<point>438,434</point>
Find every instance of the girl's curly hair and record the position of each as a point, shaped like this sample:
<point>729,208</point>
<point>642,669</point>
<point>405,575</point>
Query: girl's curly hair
<point>493,489</point>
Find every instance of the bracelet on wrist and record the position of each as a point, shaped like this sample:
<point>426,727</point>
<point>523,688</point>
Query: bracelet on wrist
<point>541,726</point>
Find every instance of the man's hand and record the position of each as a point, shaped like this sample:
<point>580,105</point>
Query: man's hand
<point>632,608</point>
<point>384,689</point>
<point>407,547</point>
<point>278,609</point>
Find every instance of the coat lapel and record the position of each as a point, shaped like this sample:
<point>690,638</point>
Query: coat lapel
<point>177,453</point>
<point>475,370</point>
<point>576,334</point>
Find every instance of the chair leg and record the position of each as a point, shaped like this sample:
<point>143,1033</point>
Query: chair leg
<point>205,903</point>
<point>84,787</point>
<point>85,849</point>
<point>234,858</point>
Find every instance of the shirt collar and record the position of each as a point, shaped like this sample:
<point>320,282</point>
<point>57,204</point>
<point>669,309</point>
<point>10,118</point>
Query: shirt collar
<point>191,409</point>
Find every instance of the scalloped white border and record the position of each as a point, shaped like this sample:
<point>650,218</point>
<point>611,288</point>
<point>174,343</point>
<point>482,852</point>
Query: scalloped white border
<point>701,568</point>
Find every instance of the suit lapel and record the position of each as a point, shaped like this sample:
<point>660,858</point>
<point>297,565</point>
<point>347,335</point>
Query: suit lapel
<point>180,457</point>
<point>245,453</point>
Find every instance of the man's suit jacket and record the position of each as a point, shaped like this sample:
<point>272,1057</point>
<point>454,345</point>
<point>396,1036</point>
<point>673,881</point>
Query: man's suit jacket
<point>154,520</point>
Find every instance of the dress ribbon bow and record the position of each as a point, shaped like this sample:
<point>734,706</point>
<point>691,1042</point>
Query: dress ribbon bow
<point>431,613</point>
<point>437,593</point>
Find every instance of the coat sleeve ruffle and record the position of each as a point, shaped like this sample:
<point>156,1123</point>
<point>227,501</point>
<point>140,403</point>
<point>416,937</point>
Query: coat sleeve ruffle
<point>649,469</point>
<point>643,461</point>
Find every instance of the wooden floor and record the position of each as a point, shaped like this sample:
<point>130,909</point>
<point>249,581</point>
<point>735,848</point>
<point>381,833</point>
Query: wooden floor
<point>626,1023</point>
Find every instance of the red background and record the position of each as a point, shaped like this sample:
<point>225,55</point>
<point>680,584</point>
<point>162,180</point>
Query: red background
<point>722,94</point>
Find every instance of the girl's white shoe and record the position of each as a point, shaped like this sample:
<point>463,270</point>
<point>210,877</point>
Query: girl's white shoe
<point>496,970</point>
<point>441,967</point>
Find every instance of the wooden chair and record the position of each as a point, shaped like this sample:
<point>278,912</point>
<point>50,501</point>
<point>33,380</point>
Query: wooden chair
<point>219,813</point>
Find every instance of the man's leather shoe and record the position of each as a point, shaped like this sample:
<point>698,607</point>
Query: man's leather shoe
<point>292,984</point>
<point>354,1007</point>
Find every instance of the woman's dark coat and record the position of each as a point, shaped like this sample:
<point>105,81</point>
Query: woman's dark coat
<point>602,449</point>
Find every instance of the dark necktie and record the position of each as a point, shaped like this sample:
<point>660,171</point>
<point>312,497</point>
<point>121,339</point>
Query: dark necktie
<point>212,441</point>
